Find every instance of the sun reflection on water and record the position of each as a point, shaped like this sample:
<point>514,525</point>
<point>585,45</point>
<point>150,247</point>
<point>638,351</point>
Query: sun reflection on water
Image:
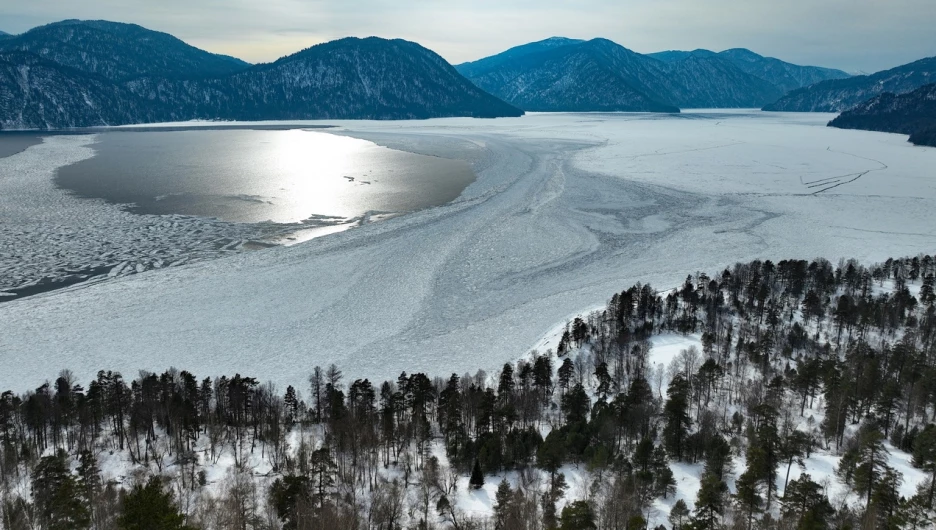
<point>247,175</point>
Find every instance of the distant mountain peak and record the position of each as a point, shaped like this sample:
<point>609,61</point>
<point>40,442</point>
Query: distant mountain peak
<point>581,76</point>
<point>743,53</point>
<point>561,40</point>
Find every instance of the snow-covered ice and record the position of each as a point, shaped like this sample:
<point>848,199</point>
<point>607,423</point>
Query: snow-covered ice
<point>567,209</point>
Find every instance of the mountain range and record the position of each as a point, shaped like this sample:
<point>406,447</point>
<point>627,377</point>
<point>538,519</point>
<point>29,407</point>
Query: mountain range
<point>88,73</point>
<point>37,93</point>
<point>560,74</point>
<point>913,113</point>
<point>782,75</point>
<point>841,94</point>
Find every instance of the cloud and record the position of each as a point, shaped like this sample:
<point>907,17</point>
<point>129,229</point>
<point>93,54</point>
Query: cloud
<point>850,34</point>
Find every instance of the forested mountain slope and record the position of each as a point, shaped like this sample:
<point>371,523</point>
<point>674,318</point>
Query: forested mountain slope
<point>781,74</point>
<point>469,69</point>
<point>349,78</point>
<point>120,51</point>
<point>842,94</point>
<point>913,113</point>
<point>711,81</point>
<point>36,93</point>
<point>596,75</point>
<point>778,395</point>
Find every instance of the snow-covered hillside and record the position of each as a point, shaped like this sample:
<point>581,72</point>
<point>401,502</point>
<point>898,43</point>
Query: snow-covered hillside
<point>742,378</point>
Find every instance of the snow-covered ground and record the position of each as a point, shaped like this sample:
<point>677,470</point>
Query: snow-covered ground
<point>567,209</point>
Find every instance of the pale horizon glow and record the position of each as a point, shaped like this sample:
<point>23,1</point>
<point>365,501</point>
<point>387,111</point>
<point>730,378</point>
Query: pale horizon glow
<point>852,35</point>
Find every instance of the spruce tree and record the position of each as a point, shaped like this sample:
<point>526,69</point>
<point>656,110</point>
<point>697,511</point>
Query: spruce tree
<point>577,515</point>
<point>148,507</point>
<point>502,504</point>
<point>58,496</point>
<point>676,415</point>
<point>477,476</point>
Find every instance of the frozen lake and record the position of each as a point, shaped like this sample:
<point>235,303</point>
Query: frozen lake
<point>566,210</point>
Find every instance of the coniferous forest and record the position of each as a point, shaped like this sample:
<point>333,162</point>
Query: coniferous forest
<point>804,398</point>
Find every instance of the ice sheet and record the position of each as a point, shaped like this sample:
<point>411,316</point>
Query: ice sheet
<point>567,209</point>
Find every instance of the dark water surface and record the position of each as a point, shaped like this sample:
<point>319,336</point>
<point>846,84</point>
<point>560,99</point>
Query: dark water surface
<point>14,142</point>
<point>259,175</point>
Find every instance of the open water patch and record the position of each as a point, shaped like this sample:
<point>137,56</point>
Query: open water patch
<point>250,176</point>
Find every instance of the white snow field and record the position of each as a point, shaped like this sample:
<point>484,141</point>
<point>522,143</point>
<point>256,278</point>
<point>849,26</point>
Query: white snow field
<point>567,209</point>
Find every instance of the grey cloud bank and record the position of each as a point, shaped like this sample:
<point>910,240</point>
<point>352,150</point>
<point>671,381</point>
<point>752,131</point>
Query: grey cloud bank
<point>854,35</point>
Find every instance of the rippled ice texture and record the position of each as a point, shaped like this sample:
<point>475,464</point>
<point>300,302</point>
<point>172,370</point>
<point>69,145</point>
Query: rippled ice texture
<point>567,209</point>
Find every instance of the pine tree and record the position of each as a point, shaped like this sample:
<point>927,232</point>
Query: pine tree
<point>710,503</point>
<point>717,456</point>
<point>290,405</point>
<point>323,471</point>
<point>566,371</point>
<point>805,504</point>
<point>664,481</point>
<point>575,405</point>
<point>885,500</point>
<point>924,457</point>
<point>871,460</point>
<point>793,449</point>
<point>748,497</point>
<point>679,515</point>
<point>763,455</point>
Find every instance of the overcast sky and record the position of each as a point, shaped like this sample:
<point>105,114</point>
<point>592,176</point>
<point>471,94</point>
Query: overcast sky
<point>854,35</point>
